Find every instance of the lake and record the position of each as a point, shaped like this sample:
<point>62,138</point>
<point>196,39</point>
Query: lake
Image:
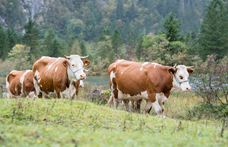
<point>98,80</point>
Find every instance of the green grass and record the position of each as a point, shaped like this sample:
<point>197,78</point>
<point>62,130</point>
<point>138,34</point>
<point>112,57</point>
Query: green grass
<point>61,122</point>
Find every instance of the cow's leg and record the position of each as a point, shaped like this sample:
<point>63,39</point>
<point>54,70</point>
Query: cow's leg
<point>137,105</point>
<point>148,107</point>
<point>126,103</point>
<point>133,105</point>
<point>161,99</point>
<point>115,102</point>
<point>58,93</point>
<point>110,101</point>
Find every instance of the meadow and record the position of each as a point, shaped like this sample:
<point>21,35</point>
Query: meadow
<point>61,122</point>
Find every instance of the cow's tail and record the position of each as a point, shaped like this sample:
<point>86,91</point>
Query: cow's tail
<point>110,101</point>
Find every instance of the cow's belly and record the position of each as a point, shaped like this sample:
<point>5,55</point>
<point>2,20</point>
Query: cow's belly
<point>124,96</point>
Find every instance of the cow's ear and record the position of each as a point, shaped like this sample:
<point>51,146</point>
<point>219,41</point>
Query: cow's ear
<point>172,70</point>
<point>66,63</point>
<point>190,70</point>
<point>86,63</point>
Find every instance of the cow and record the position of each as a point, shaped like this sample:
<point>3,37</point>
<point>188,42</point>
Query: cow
<point>133,81</point>
<point>59,75</point>
<point>20,84</point>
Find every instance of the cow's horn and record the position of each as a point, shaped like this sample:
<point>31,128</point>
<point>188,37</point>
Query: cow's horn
<point>84,57</point>
<point>67,57</point>
<point>175,66</point>
<point>190,66</point>
<point>87,70</point>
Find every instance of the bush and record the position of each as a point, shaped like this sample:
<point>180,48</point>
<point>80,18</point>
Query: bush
<point>205,110</point>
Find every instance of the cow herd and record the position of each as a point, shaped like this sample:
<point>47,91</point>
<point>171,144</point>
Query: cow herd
<point>129,81</point>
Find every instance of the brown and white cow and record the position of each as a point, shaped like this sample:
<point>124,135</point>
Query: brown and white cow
<point>20,84</point>
<point>59,75</point>
<point>133,81</point>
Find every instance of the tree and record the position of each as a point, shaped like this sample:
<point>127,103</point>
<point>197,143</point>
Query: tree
<point>4,44</point>
<point>139,47</point>
<point>119,10</point>
<point>172,27</point>
<point>19,55</point>
<point>116,41</point>
<point>83,48</point>
<point>132,11</point>
<point>48,42</point>
<point>31,38</point>
<point>214,31</point>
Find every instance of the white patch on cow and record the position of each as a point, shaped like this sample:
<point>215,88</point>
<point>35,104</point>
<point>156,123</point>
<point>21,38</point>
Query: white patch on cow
<point>143,65</point>
<point>49,66</point>
<point>40,85</point>
<point>123,96</point>
<point>56,69</point>
<point>37,88</point>
<point>112,75</point>
<point>81,84</point>
<point>39,80</point>
<point>31,95</point>
<point>22,80</point>
<point>36,73</point>
<point>117,62</point>
<point>68,92</point>
<point>155,64</point>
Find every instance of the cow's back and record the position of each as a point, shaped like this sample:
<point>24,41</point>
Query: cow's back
<point>127,77</point>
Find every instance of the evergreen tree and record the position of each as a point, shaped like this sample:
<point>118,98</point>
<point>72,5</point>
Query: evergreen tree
<point>31,38</point>
<point>139,46</point>
<point>116,41</point>
<point>214,31</point>
<point>131,39</point>
<point>119,10</point>
<point>56,48</point>
<point>12,37</point>
<point>4,44</point>
<point>48,43</point>
<point>172,27</point>
<point>132,14</point>
<point>83,48</point>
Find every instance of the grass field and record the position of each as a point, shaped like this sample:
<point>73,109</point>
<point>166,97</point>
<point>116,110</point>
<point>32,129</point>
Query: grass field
<point>61,122</point>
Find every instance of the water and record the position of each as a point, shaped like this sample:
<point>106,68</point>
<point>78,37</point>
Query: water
<point>97,80</point>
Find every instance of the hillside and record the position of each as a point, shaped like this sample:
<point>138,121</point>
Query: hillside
<point>91,17</point>
<point>60,122</point>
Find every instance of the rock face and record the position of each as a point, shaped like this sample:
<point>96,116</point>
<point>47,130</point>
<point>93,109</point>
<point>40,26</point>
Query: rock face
<point>35,7</point>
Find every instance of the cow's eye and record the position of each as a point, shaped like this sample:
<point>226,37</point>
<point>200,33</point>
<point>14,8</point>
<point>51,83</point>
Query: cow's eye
<point>181,77</point>
<point>73,65</point>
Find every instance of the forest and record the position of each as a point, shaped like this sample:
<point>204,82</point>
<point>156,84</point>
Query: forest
<point>140,30</point>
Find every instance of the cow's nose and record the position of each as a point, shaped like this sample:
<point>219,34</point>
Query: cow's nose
<point>82,77</point>
<point>188,88</point>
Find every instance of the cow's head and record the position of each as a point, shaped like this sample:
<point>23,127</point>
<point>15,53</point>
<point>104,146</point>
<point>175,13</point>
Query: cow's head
<point>75,67</point>
<point>180,77</point>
